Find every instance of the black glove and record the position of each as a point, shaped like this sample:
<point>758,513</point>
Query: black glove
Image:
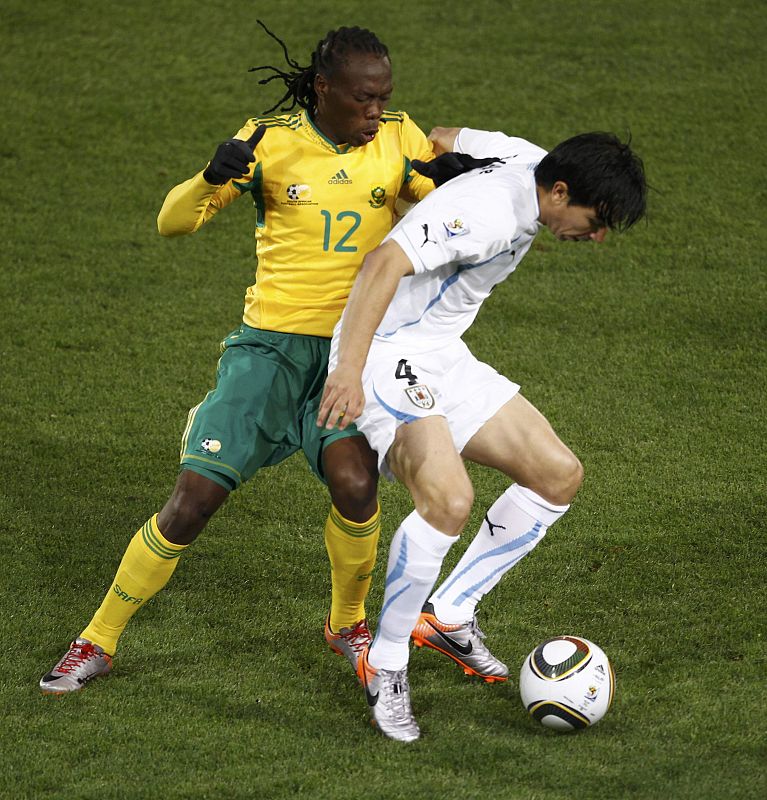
<point>233,158</point>
<point>450,165</point>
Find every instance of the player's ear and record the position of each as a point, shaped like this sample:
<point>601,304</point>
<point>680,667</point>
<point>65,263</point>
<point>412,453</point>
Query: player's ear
<point>560,193</point>
<point>320,85</point>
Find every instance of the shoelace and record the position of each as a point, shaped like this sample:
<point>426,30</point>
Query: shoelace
<point>77,654</point>
<point>475,629</point>
<point>398,690</point>
<point>358,637</point>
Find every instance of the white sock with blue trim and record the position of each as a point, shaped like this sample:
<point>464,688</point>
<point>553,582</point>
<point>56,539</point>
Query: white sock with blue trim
<point>415,559</point>
<point>513,526</point>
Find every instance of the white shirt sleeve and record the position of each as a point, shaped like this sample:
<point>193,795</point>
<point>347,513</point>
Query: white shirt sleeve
<point>485,144</point>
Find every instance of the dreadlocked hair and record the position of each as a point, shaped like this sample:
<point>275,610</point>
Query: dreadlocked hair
<point>330,53</point>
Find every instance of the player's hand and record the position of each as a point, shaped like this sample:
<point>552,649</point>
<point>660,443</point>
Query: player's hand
<point>342,399</point>
<point>450,165</point>
<point>443,139</point>
<point>233,158</point>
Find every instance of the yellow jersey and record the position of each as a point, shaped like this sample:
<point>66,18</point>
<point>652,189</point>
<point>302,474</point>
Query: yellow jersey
<point>320,207</point>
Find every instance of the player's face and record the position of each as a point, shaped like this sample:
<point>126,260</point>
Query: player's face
<point>578,224</point>
<point>350,103</point>
<point>569,222</point>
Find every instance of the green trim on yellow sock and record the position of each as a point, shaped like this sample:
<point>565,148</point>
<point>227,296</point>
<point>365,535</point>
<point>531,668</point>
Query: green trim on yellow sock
<point>157,543</point>
<point>356,529</point>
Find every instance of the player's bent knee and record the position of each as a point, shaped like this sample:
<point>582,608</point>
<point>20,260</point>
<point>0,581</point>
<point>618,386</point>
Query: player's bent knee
<point>353,491</point>
<point>351,471</point>
<point>577,476</point>
<point>458,507</point>
<point>193,502</point>
<point>445,508</point>
<point>565,480</point>
<point>181,522</point>
<point>353,483</point>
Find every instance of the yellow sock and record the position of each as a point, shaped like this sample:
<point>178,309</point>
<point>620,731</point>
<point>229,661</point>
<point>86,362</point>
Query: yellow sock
<point>146,567</point>
<point>352,550</point>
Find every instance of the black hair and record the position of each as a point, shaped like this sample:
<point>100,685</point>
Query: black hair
<point>601,173</point>
<point>330,53</point>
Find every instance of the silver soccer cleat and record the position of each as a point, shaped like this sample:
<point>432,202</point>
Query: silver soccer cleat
<point>349,642</point>
<point>388,695</point>
<point>81,663</point>
<point>463,643</point>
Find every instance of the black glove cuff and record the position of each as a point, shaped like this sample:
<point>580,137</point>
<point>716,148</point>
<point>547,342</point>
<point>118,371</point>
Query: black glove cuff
<point>211,177</point>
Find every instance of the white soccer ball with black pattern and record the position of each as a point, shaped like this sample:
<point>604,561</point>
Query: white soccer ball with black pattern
<point>299,191</point>
<point>567,683</point>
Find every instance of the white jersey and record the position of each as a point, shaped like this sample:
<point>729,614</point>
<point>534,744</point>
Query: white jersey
<point>462,240</point>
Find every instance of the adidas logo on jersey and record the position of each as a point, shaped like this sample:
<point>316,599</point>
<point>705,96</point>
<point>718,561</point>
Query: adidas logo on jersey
<point>340,177</point>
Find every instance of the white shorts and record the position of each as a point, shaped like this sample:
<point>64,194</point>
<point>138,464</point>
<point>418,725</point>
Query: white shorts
<point>402,387</point>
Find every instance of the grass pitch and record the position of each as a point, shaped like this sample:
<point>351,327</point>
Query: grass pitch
<point>646,353</point>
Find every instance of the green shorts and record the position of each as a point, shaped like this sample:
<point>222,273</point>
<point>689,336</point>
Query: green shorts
<point>263,409</point>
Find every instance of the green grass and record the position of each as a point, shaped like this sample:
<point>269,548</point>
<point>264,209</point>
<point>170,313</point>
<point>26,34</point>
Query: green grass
<point>647,354</point>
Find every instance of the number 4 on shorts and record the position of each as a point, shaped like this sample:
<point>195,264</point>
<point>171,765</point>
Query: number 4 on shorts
<point>404,371</point>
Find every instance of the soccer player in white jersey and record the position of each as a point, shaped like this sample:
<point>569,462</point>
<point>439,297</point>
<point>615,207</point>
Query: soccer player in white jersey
<point>399,368</point>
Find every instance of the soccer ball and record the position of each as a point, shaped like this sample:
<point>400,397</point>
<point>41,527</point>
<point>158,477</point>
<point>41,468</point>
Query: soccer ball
<point>299,191</point>
<point>567,683</point>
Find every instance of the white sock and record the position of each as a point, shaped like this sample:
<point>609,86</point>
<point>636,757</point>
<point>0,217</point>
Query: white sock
<point>415,558</point>
<point>513,526</point>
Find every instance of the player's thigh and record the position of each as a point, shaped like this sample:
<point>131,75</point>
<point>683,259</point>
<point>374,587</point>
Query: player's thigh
<point>520,442</point>
<point>253,416</point>
<point>398,392</point>
<point>334,455</point>
<point>344,461</point>
<point>423,457</point>
<point>471,392</point>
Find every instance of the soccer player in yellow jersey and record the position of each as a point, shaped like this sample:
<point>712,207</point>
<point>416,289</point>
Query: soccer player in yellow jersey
<point>323,182</point>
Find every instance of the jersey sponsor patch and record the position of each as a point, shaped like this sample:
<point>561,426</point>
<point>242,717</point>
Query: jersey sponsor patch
<point>299,191</point>
<point>420,396</point>
<point>455,227</point>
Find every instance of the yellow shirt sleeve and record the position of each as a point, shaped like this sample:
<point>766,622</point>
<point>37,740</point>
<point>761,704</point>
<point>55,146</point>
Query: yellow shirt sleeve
<point>415,146</point>
<point>192,203</point>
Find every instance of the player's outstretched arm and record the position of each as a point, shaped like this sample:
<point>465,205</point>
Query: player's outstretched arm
<point>194,202</point>
<point>343,398</point>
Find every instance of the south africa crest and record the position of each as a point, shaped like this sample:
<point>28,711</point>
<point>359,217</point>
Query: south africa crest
<point>378,196</point>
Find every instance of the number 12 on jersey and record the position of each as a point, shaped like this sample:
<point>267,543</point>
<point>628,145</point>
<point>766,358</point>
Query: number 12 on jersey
<point>342,229</point>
